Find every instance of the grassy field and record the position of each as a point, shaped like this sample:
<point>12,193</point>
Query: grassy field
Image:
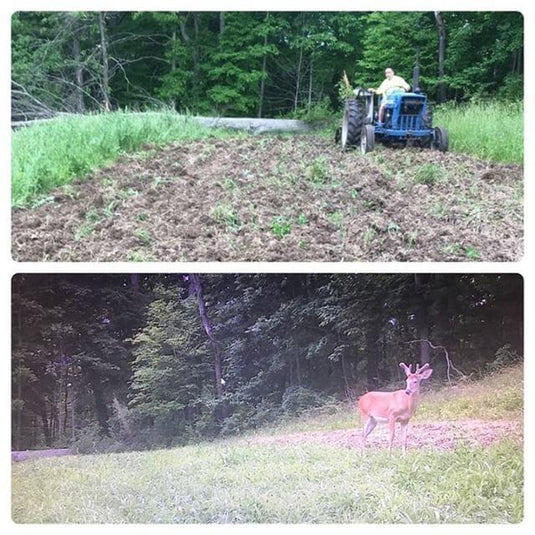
<point>54,153</point>
<point>237,480</point>
<point>489,130</point>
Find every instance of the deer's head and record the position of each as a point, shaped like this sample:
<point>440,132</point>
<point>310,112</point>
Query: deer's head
<point>414,379</point>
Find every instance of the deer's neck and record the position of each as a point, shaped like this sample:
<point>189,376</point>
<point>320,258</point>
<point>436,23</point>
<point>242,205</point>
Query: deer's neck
<point>413,399</point>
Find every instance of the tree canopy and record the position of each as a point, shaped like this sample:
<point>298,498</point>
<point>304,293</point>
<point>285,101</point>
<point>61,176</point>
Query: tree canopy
<point>253,63</point>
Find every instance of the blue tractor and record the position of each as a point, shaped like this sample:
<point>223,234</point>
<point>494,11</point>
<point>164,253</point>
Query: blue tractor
<point>407,121</point>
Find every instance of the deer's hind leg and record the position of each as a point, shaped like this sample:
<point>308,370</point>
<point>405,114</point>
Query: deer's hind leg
<point>371,422</point>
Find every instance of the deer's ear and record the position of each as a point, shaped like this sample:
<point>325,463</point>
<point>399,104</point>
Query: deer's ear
<point>426,373</point>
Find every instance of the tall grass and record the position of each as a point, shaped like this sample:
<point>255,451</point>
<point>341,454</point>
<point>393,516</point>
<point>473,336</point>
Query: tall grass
<point>52,154</point>
<point>491,130</point>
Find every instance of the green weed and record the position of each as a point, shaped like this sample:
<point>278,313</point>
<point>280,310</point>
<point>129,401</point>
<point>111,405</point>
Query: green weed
<point>143,235</point>
<point>318,172</point>
<point>227,215</point>
<point>428,173</point>
<point>281,226</point>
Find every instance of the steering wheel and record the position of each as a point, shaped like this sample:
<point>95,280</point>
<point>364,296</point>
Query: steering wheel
<point>360,92</point>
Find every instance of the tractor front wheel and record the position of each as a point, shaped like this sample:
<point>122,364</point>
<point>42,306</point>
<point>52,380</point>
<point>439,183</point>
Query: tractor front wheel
<point>352,124</point>
<point>367,138</point>
<point>440,139</point>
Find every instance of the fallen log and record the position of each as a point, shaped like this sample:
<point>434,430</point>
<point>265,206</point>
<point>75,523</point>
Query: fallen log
<point>18,456</point>
<point>253,126</point>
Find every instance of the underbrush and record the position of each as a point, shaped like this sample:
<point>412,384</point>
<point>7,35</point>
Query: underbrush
<point>491,130</point>
<point>52,154</point>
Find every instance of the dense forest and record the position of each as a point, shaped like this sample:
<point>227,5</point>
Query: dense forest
<point>263,64</point>
<point>143,360</point>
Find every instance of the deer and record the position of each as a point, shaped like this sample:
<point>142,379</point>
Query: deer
<point>392,407</point>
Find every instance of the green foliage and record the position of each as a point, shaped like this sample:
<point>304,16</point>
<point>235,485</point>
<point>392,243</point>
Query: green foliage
<point>504,356</point>
<point>297,398</point>
<point>318,171</point>
<point>266,63</point>
<point>318,114</point>
<point>171,370</point>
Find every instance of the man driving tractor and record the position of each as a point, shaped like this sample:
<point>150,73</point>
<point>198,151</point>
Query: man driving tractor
<point>390,85</point>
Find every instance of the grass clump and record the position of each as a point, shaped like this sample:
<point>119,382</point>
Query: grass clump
<point>491,130</point>
<point>428,174</point>
<point>318,171</point>
<point>52,154</point>
<point>227,215</point>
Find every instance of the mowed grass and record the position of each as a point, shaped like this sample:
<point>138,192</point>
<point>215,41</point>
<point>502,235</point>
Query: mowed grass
<point>489,130</point>
<point>54,153</point>
<point>233,481</point>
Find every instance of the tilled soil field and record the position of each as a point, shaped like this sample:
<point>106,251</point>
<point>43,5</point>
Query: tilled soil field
<point>279,198</point>
<point>439,435</point>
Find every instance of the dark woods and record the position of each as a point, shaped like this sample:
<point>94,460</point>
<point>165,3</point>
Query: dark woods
<point>134,361</point>
<point>263,64</point>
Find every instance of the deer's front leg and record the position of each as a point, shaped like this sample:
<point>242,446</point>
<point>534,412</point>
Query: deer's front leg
<point>404,426</point>
<point>392,427</point>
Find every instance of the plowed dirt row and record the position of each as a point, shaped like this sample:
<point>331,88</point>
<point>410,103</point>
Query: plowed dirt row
<point>279,198</point>
<point>439,435</point>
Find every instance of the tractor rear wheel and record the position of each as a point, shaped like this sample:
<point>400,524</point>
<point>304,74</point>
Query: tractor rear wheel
<point>352,123</point>
<point>367,138</point>
<point>440,139</point>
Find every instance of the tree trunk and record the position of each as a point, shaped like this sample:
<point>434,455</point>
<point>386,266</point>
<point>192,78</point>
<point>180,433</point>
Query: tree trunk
<point>298,369</point>
<point>421,316</point>
<point>196,289</point>
<point>310,78</point>
<point>46,427</point>
<point>101,408</point>
<point>441,27</point>
<point>264,73</point>
<point>194,46</point>
<point>372,350</point>
<point>298,81</point>
<point>134,281</point>
<point>18,430</point>
<point>221,23</point>
<point>78,72</point>
<point>105,65</point>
